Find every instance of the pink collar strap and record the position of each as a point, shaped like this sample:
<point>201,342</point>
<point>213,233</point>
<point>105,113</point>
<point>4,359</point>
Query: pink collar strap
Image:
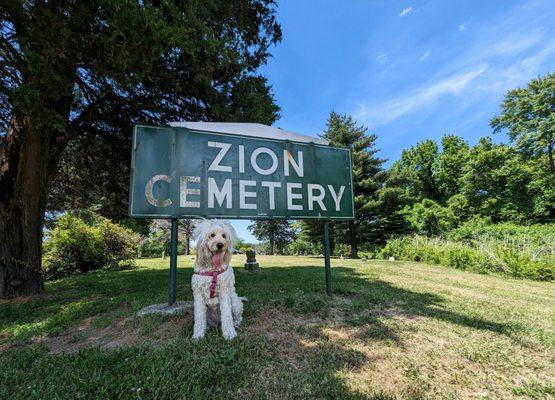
<point>214,275</point>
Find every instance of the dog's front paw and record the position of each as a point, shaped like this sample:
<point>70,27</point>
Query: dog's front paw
<point>197,336</point>
<point>229,335</point>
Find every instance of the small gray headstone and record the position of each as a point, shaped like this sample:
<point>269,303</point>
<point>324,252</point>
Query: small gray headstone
<point>251,265</point>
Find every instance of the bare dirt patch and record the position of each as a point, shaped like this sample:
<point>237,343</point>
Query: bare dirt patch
<point>119,331</point>
<point>39,297</point>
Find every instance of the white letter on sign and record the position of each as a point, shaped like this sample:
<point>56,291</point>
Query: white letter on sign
<point>288,158</point>
<point>215,166</point>
<point>292,196</point>
<point>336,197</point>
<point>271,197</point>
<point>148,191</point>
<point>243,195</point>
<point>220,195</point>
<point>184,191</point>
<point>254,164</point>
<point>312,198</point>
<point>241,158</point>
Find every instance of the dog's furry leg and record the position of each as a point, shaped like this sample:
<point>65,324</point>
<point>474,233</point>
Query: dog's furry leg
<point>237,309</point>
<point>228,330</point>
<point>200,318</point>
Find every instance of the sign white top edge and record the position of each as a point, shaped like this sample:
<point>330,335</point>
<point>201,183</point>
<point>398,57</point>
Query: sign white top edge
<point>249,129</point>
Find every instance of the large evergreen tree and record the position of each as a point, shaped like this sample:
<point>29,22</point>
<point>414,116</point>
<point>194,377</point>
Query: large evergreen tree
<point>79,72</point>
<point>368,173</point>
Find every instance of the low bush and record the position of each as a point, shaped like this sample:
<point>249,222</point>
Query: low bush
<point>81,243</point>
<point>484,256</point>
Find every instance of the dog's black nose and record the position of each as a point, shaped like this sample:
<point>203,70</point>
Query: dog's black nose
<point>220,245</point>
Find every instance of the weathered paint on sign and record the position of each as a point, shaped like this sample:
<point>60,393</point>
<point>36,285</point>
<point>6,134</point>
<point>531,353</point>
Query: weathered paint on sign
<point>178,172</point>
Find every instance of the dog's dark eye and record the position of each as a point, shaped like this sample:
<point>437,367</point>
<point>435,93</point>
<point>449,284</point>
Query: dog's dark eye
<point>212,235</point>
<point>223,235</point>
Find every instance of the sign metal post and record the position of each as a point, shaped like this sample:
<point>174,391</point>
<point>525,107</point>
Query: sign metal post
<point>173,263</point>
<point>327,258</point>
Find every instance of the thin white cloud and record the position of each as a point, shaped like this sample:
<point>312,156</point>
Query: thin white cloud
<point>425,55</point>
<point>462,27</point>
<point>405,11</point>
<point>397,107</point>
<point>516,43</point>
<point>382,58</point>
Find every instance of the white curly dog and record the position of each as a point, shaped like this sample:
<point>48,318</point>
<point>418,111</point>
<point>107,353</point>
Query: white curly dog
<point>213,282</point>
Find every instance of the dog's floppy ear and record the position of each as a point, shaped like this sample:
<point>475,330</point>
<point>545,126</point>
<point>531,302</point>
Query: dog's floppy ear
<point>200,233</point>
<point>228,228</point>
<point>200,229</point>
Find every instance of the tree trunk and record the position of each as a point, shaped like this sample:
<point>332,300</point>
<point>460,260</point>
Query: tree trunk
<point>550,156</point>
<point>332,246</point>
<point>271,238</point>
<point>353,237</point>
<point>187,243</point>
<point>25,162</point>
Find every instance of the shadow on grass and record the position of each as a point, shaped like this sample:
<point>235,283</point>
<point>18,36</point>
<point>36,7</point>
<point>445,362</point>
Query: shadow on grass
<point>282,284</point>
<point>299,287</point>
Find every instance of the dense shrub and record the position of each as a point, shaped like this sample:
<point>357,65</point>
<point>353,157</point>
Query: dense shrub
<point>482,255</point>
<point>538,235</point>
<point>80,243</point>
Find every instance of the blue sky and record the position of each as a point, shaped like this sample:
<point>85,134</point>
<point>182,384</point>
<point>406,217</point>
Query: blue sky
<point>408,70</point>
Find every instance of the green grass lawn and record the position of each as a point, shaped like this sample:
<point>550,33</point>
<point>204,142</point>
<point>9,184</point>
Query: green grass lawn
<point>391,330</point>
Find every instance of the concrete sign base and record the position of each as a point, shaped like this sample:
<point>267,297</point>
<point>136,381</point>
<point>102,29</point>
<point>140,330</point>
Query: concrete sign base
<point>179,307</point>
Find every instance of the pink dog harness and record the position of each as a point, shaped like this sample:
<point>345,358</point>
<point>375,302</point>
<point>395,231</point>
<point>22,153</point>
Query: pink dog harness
<point>214,275</point>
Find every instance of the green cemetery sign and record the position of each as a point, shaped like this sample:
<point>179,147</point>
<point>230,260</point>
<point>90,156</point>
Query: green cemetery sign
<point>182,172</point>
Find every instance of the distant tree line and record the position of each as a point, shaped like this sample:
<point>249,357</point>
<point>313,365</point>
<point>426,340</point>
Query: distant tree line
<point>435,187</point>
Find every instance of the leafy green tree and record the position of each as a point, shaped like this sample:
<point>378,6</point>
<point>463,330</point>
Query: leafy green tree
<point>429,218</point>
<point>528,115</point>
<point>425,171</point>
<point>80,72</point>
<point>416,168</point>
<point>278,232</point>
<point>502,185</point>
<point>428,171</point>
<point>368,173</point>
<point>448,167</point>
